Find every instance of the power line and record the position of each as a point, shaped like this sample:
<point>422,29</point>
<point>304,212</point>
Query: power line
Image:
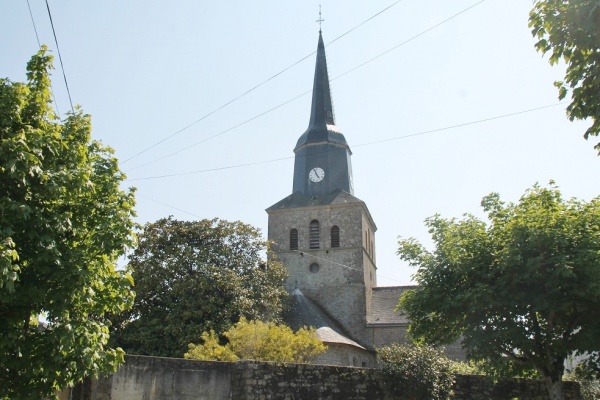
<point>411,39</point>
<point>460,125</point>
<point>33,22</point>
<point>300,95</point>
<point>210,169</point>
<point>214,111</point>
<point>302,253</point>
<point>60,57</point>
<point>339,264</point>
<point>364,22</point>
<point>355,146</point>
<point>40,46</point>
<point>297,251</point>
<point>168,205</point>
<point>249,91</point>
<point>219,134</point>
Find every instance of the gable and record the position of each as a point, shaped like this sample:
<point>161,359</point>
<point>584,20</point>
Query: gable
<point>383,304</point>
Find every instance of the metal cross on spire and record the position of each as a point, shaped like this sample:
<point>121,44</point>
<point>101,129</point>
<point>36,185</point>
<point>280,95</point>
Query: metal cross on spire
<point>320,20</point>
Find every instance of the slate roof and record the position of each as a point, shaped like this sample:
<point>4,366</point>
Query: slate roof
<point>296,200</point>
<point>321,127</point>
<point>306,312</point>
<point>384,302</point>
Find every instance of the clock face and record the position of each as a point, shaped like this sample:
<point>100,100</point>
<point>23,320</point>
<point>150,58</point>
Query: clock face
<point>316,174</point>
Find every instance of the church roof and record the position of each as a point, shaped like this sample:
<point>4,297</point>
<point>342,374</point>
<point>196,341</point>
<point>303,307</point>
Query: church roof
<point>321,127</point>
<point>296,200</point>
<point>384,301</point>
<point>304,312</point>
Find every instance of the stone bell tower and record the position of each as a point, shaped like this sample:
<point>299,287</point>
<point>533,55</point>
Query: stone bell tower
<point>321,232</point>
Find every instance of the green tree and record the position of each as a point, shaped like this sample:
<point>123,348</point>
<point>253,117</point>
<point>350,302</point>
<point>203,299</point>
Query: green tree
<point>523,290</point>
<point>417,372</point>
<point>569,31</point>
<point>261,341</point>
<point>193,277</point>
<point>63,224</point>
<point>589,384</point>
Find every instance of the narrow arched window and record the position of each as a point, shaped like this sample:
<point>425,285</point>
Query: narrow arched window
<point>294,239</point>
<point>314,234</point>
<point>335,236</point>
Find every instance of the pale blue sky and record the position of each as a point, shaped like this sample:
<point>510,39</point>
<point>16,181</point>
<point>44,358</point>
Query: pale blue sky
<point>146,69</point>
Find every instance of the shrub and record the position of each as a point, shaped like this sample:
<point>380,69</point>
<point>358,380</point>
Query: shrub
<point>261,341</point>
<point>417,372</point>
<point>587,379</point>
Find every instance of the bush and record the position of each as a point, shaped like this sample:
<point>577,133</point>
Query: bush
<point>466,368</point>
<point>417,372</point>
<point>261,341</point>
<point>588,381</point>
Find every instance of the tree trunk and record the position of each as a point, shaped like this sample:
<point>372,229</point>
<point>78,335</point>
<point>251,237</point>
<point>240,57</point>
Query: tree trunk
<point>555,388</point>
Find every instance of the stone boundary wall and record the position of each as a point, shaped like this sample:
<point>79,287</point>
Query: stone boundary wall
<point>256,381</point>
<point>156,378</point>
<point>475,387</point>
<point>301,381</point>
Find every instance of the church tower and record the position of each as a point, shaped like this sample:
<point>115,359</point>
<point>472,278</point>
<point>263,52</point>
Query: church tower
<point>321,232</point>
<point>322,153</point>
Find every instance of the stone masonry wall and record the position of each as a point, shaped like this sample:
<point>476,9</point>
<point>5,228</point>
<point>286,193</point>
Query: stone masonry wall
<point>294,381</point>
<point>155,378</point>
<point>469,387</point>
<point>338,285</point>
<point>159,378</point>
<point>386,335</point>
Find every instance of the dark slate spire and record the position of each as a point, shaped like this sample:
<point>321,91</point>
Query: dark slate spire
<point>322,110</point>
<point>322,155</point>
<point>321,125</point>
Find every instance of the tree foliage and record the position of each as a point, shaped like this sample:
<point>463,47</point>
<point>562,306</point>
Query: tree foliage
<point>193,277</point>
<point>63,224</point>
<point>523,291</point>
<point>569,31</point>
<point>261,341</point>
<point>590,366</point>
<point>417,372</point>
<point>589,385</point>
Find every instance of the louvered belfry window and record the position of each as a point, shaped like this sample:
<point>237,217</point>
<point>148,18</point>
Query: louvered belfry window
<point>314,234</point>
<point>335,236</point>
<point>294,239</point>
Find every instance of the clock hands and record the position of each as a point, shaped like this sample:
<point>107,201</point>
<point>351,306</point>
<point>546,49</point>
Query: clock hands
<point>316,174</point>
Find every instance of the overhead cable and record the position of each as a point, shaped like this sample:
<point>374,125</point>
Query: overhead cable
<point>300,95</point>
<point>249,91</point>
<point>34,27</point>
<point>60,57</point>
<point>168,205</point>
<point>411,39</point>
<point>355,146</point>
<point>296,251</point>
<point>40,46</point>
<point>362,23</point>
<point>303,253</point>
<point>219,134</point>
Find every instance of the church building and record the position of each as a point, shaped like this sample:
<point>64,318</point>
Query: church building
<point>325,236</point>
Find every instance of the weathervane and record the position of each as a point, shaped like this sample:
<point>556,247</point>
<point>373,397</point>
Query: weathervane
<point>320,19</point>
